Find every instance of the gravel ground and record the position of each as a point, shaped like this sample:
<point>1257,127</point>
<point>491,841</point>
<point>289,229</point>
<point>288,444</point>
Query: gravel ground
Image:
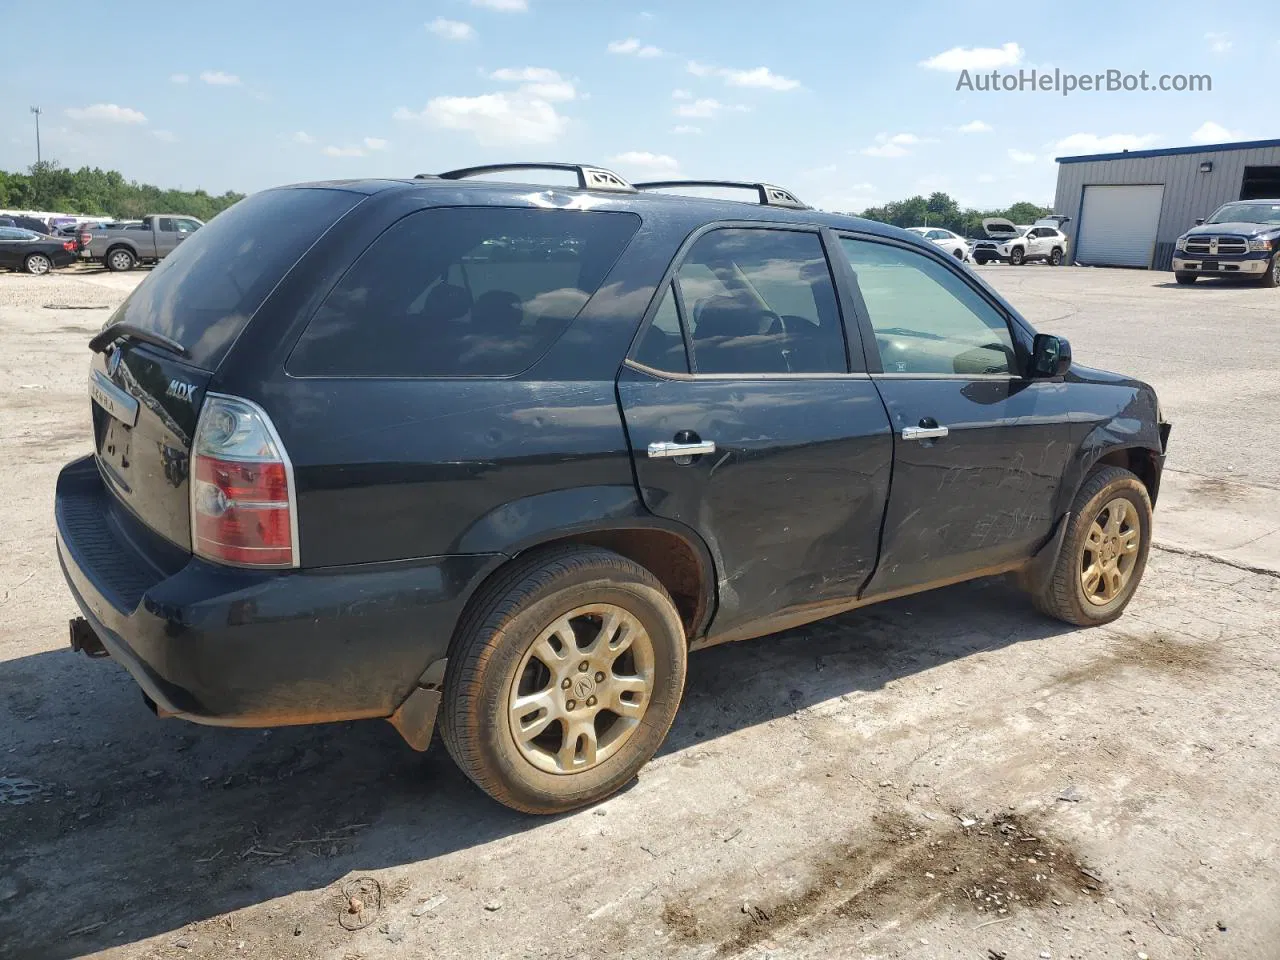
<point>940,776</point>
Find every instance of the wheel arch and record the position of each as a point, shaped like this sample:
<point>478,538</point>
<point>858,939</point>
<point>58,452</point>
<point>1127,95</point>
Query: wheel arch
<point>1145,463</point>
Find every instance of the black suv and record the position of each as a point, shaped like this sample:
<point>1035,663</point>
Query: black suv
<point>507,452</point>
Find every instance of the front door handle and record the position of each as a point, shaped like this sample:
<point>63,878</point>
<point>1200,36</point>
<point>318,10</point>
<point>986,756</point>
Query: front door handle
<point>668,448</point>
<point>928,430</point>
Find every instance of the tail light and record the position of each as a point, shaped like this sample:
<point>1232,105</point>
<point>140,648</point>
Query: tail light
<point>69,246</point>
<point>85,238</point>
<point>243,503</point>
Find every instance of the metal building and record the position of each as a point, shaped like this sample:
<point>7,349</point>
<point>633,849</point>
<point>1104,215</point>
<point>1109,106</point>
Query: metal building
<point>1127,209</point>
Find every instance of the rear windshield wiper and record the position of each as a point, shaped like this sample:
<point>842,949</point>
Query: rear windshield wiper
<point>134,332</point>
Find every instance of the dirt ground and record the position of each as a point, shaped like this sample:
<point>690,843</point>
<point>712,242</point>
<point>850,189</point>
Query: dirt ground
<point>948,775</point>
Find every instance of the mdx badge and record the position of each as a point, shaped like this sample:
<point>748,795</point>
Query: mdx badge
<point>180,391</point>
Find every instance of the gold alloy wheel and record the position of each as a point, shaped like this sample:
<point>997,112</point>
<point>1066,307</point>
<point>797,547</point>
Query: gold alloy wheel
<point>582,689</point>
<point>1110,552</point>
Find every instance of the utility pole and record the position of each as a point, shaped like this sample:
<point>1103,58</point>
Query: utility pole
<point>37,112</point>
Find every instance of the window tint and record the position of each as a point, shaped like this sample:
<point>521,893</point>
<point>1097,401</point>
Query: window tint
<point>663,344</point>
<point>204,293</point>
<point>937,235</point>
<point>761,301</point>
<point>166,225</point>
<point>13,233</point>
<point>461,291</point>
<point>187,226</point>
<point>926,318</point>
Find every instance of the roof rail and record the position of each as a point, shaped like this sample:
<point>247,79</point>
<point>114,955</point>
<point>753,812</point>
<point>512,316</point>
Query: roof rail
<point>770,195</point>
<point>589,177</point>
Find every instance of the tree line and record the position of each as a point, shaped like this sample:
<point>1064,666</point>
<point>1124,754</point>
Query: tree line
<point>940,210</point>
<point>92,191</point>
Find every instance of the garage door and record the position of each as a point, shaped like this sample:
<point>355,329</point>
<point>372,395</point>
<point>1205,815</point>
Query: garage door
<point>1118,225</point>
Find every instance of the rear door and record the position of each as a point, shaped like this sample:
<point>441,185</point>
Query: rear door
<point>12,246</point>
<point>747,423</point>
<point>979,449</point>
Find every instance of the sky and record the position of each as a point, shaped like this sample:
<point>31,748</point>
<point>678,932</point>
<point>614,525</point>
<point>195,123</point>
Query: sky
<point>848,104</point>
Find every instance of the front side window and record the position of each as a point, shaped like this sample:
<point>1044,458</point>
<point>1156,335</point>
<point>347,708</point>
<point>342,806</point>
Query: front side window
<point>926,318</point>
<point>187,226</point>
<point>761,301</point>
<point>462,292</point>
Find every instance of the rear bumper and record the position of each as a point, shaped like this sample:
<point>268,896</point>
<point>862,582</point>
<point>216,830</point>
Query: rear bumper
<point>247,648</point>
<point>1254,266</point>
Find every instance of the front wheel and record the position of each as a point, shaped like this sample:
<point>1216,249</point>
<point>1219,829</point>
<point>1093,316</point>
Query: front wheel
<point>982,261</point>
<point>1104,552</point>
<point>563,680</point>
<point>1185,279</point>
<point>1017,256</point>
<point>37,264</point>
<point>1272,277</point>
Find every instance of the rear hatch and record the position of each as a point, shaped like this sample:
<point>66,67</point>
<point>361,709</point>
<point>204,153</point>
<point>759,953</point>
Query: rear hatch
<point>147,385</point>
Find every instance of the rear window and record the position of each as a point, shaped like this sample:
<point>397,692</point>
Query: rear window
<point>462,292</point>
<point>204,293</point>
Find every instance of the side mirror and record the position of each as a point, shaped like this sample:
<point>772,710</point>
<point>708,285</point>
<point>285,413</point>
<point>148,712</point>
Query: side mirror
<point>1199,221</point>
<point>1050,356</point>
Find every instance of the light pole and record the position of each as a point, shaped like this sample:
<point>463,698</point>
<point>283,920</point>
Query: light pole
<point>37,111</point>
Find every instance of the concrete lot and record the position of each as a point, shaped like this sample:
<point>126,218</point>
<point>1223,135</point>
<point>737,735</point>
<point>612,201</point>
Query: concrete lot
<point>863,787</point>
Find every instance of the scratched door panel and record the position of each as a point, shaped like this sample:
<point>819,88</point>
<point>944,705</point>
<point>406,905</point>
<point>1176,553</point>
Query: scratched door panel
<point>984,494</point>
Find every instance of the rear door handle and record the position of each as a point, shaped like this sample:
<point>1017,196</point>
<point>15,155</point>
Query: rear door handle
<point>932,432</point>
<point>667,448</point>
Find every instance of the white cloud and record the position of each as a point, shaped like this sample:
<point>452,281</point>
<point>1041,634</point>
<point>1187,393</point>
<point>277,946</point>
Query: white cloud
<point>975,58</point>
<point>219,79</point>
<point>1082,143</point>
<point>178,78</point>
<point>633,46</point>
<point>683,128</point>
<point>303,137</point>
<point>681,95</point>
<point>503,6</point>
<point>342,152</point>
<point>106,112</point>
<point>975,126</point>
<point>703,108</point>
<point>1021,156</point>
<point>525,115</point>
<point>1219,42</point>
<point>758,77</point>
<point>375,143</point>
<point>1210,132</point>
<point>646,162</point>
<point>537,83</point>
<point>885,150</point>
<point>894,144</point>
<point>451,29</point>
<point>164,136</point>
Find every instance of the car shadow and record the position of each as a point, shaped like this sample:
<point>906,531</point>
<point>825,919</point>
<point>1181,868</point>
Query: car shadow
<point>1210,283</point>
<point>135,827</point>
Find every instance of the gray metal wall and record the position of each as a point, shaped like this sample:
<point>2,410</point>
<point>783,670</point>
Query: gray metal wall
<point>1188,193</point>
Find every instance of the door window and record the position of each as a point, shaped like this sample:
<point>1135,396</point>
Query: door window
<point>761,301</point>
<point>662,346</point>
<point>187,226</point>
<point>167,225</point>
<point>926,318</point>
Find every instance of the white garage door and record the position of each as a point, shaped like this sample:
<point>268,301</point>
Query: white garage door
<point>1118,225</point>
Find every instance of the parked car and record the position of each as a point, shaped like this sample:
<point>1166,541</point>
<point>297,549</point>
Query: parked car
<point>1242,239</point>
<point>953,243</point>
<point>1044,240</point>
<point>25,223</point>
<point>149,240</point>
<point>352,463</point>
<point>28,251</point>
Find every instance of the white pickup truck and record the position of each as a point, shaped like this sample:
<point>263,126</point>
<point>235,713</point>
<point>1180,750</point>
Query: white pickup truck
<point>148,241</point>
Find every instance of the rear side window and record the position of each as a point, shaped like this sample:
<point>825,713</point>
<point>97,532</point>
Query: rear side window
<point>204,293</point>
<point>462,292</point>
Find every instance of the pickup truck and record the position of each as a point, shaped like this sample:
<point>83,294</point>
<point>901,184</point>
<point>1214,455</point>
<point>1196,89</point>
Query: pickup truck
<point>1241,240</point>
<point>149,241</point>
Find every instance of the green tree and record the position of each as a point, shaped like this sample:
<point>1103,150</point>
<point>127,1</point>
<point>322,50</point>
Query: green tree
<point>92,191</point>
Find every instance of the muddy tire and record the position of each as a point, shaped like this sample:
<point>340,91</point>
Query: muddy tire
<point>563,679</point>
<point>1104,552</point>
<point>120,260</point>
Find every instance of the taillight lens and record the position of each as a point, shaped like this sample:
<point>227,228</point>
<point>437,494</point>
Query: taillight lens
<point>242,496</point>
<point>69,246</point>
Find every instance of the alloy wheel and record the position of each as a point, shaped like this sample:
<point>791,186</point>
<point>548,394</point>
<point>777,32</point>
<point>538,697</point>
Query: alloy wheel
<point>38,264</point>
<point>582,689</point>
<point>1110,552</point>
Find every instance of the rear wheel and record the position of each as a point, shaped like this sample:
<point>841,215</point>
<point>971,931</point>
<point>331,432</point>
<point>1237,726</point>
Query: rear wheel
<point>1104,552</point>
<point>120,260</point>
<point>1055,257</point>
<point>564,680</point>
<point>1272,277</point>
<point>1185,278</point>
<point>1017,256</point>
<point>37,264</point>
<point>958,253</point>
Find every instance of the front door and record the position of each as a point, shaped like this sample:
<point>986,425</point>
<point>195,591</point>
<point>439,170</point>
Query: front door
<point>746,424</point>
<point>979,449</point>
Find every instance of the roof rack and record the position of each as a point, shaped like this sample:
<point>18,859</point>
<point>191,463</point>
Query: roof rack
<point>589,177</point>
<point>770,195</point>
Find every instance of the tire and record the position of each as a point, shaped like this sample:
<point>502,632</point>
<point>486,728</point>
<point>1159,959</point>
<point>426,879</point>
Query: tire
<point>958,253</point>
<point>1186,278</point>
<point>507,649</point>
<point>1017,256</point>
<point>120,260</point>
<point>1272,277</point>
<point>982,261</point>
<point>37,264</point>
<point>1110,495</point>
<point>1055,257</point>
